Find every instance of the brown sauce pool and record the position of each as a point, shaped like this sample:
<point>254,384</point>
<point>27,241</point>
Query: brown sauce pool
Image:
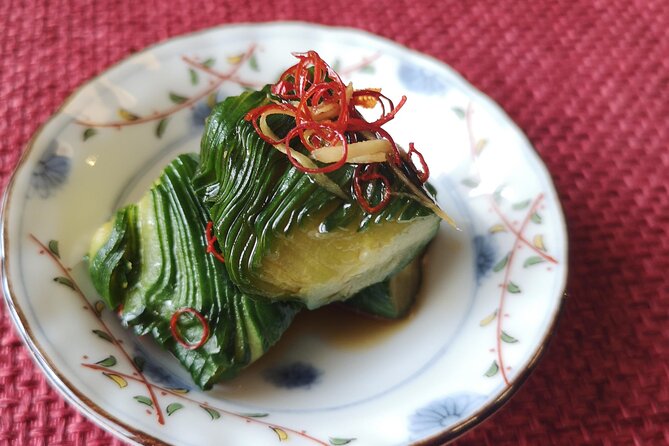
<point>337,326</point>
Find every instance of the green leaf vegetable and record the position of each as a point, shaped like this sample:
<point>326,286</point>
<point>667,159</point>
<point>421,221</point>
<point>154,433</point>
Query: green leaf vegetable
<point>285,236</point>
<point>150,261</point>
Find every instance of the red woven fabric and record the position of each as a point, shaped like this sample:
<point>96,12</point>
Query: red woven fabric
<point>587,80</point>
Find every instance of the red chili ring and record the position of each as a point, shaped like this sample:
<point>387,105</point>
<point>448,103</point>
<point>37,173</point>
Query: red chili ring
<point>424,172</point>
<point>177,335</point>
<point>326,169</point>
<point>211,239</point>
<point>364,174</point>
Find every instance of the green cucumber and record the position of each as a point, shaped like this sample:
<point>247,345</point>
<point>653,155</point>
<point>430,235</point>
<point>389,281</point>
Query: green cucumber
<point>283,235</point>
<point>151,261</point>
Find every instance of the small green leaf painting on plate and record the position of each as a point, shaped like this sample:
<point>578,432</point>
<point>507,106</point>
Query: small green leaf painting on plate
<point>160,128</point>
<point>177,98</point>
<point>532,261</point>
<point>213,413</point>
<point>88,133</point>
<point>109,361</point>
<point>64,281</point>
<point>173,408</point>
<point>103,335</point>
<point>340,441</point>
<point>253,63</point>
<point>507,338</point>
<point>53,247</point>
<point>501,264</point>
<point>492,370</point>
<point>144,400</point>
<point>194,78</point>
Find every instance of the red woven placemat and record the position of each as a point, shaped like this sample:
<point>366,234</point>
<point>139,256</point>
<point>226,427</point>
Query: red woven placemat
<point>587,80</point>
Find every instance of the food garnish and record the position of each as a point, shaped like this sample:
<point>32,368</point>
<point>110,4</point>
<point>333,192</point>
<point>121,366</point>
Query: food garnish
<point>333,131</point>
<point>174,328</point>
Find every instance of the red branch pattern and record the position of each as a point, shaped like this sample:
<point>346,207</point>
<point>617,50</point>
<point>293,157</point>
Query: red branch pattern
<point>201,404</point>
<point>138,376</point>
<point>221,77</point>
<point>360,65</point>
<point>493,203</point>
<point>505,285</point>
<point>518,239</point>
<point>217,74</point>
<point>142,378</point>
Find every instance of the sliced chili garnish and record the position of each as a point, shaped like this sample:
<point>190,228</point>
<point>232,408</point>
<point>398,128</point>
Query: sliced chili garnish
<point>211,239</point>
<point>177,334</point>
<point>325,169</point>
<point>326,114</point>
<point>422,172</point>
<point>365,174</point>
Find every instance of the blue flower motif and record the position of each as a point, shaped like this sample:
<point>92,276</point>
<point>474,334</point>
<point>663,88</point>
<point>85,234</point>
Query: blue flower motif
<point>157,374</point>
<point>293,375</point>
<point>200,113</point>
<point>485,254</point>
<point>203,109</point>
<point>417,79</point>
<point>443,413</point>
<point>51,171</point>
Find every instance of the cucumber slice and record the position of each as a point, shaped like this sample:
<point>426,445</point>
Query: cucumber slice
<point>151,261</point>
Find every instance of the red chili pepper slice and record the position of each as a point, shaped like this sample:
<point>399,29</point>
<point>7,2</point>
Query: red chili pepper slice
<point>423,172</point>
<point>211,239</point>
<point>365,174</point>
<point>177,335</point>
<point>325,169</point>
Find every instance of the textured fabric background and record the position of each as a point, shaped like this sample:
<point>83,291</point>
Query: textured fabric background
<point>587,80</point>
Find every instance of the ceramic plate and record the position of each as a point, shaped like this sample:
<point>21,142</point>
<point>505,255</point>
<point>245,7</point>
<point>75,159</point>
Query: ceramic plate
<point>490,295</point>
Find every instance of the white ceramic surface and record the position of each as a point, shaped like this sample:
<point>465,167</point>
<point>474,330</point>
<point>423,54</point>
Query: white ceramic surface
<point>491,293</point>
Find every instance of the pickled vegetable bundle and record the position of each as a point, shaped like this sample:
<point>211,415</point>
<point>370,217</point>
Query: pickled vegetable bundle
<point>294,202</point>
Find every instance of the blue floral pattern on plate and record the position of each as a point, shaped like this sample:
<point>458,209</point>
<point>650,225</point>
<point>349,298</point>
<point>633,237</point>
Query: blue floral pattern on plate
<point>485,254</point>
<point>51,171</point>
<point>202,109</point>
<point>158,374</point>
<point>442,413</point>
<point>418,80</point>
<point>293,375</point>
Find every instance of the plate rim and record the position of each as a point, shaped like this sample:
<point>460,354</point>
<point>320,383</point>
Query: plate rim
<point>125,431</point>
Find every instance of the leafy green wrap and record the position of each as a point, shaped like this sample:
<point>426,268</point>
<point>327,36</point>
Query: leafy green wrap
<point>286,234</point>
<point>150,261</point>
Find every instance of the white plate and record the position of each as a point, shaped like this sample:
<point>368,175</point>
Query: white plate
<point>491,292</point>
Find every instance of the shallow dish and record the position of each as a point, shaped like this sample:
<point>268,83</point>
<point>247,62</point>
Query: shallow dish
<point>488,305</point>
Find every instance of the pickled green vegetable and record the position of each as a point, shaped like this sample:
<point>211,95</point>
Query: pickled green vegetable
<point>286,236</point>
<point>151,261</point>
